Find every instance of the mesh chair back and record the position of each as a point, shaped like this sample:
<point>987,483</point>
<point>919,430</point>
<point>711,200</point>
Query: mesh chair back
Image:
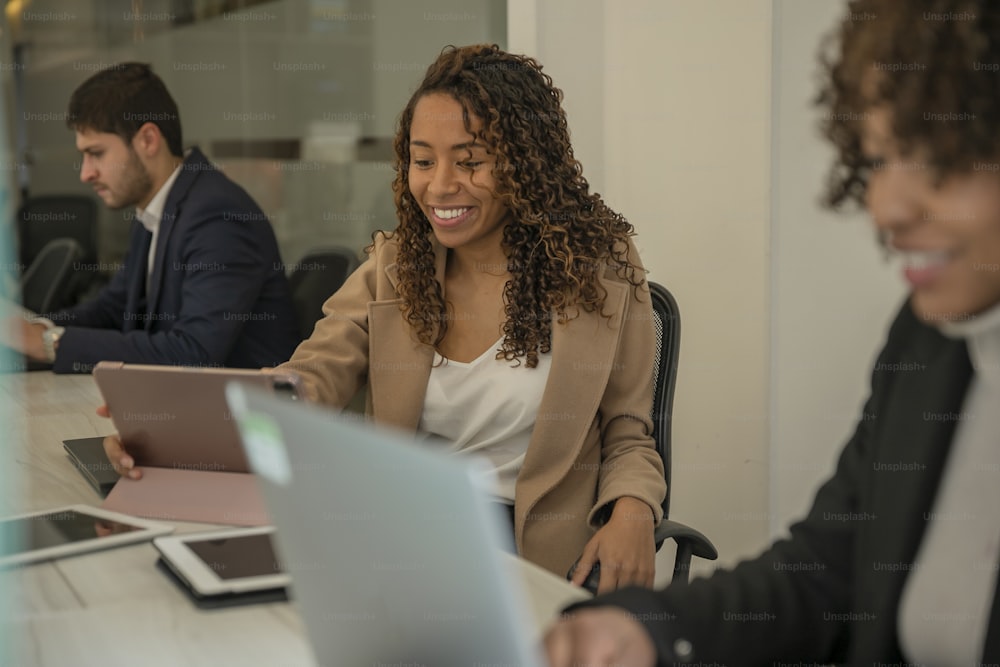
<point>667,322</point>
<point>45,284</point>
<point>316,277</point>
<point>43,219</point>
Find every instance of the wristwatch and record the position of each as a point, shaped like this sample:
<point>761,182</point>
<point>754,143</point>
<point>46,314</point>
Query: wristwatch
<point>50,341</point>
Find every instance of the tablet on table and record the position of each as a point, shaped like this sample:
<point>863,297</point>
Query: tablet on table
<point>70,530</point>
<point>234,561</point>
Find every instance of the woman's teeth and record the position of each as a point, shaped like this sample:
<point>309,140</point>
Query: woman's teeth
<point>449,213</point>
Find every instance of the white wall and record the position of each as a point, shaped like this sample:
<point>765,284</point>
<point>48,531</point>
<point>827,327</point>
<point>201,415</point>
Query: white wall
<point>679,111</point>
<point>687,136</point>
<point>832,297</point>
<point>698,126</point>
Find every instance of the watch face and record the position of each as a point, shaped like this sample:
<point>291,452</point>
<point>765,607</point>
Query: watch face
<point>50,338</point>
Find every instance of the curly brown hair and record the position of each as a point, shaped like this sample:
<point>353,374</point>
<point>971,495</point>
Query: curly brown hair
<point>934,63</point>
<point>561,236</point>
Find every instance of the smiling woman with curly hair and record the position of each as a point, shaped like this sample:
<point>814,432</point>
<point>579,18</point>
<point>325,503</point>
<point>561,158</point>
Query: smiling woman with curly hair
<point>896,561</point>
<point>507,315</point>
<point>565,235</point>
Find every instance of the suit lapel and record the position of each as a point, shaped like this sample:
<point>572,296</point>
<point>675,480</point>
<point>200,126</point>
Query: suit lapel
<point>918,426</point>
<point>583,354</point>
<point>399,367</point>
<point>156,278</point>
<point>135,301</point>
<point>171,210</point>
<point>991,648</point>
<point>398,380</point>
<point>927,381</point>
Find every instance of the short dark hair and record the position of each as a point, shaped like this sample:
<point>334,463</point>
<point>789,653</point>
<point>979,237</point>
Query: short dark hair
<point>123,98</point>
<point>930,63</point>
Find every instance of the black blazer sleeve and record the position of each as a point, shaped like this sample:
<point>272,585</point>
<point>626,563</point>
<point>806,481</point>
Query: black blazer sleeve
<point>786,604</point>
<point>830,593</point>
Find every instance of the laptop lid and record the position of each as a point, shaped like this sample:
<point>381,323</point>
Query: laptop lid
<point>395,553</point>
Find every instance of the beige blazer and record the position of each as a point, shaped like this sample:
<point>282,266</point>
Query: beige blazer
<point>591,442</point>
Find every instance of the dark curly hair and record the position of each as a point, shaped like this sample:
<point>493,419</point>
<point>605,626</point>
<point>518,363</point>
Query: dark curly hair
<point>561,236</point>
<point>934,64</point>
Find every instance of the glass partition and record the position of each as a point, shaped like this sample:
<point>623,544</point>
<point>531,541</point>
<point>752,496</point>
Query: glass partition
<point>296,99</point>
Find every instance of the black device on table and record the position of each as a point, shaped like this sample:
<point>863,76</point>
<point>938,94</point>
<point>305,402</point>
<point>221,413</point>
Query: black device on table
<point>87,454</point>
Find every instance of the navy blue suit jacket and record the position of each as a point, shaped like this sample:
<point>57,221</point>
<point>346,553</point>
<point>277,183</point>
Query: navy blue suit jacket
<point>831,592</point>
<point>218,295</point>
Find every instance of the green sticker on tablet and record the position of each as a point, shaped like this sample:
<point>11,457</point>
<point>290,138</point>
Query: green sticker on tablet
<point>265,448</point>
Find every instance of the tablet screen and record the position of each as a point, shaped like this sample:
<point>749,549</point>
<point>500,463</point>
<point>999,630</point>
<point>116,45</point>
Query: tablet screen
<point>55,529</point>
<point>237,557</point>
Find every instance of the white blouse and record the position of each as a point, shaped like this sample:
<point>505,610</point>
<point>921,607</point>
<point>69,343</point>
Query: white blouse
<point>487,408</point>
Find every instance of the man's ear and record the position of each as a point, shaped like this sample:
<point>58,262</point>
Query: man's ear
<point>148,141</point>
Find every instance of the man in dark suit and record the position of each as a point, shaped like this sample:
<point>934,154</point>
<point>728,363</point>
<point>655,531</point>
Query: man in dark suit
<point>202,281</point>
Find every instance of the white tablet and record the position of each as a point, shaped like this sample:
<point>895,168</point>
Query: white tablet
<point>70,530</point>
<point>224,562</point>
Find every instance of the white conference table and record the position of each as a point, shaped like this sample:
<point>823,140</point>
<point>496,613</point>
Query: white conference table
<point>114,607</point>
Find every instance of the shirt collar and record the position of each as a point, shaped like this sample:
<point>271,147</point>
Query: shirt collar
<point>151,215</point>
<point>982,334</point>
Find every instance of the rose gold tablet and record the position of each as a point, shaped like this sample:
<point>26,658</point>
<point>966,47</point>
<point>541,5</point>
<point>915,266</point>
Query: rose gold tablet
<point>175,423</point>
<point>176,417</point>
<point>169,494</point>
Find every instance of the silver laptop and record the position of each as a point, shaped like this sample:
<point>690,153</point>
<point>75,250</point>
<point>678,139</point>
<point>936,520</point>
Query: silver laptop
<point>394,550</point>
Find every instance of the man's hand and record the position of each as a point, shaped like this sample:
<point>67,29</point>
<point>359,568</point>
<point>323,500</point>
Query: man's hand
<point>23,336</point>
<point>624,547</point>
<point>123,464</point>
<point>599,637</point>
<point>31,340</point>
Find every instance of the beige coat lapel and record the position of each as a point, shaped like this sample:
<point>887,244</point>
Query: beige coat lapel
<point>398,379</point>
<point>583,352</point>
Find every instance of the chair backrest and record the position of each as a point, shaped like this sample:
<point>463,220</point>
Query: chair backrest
<point>45,283</point>
<point>42,219</point>
<point>667,322</point>
<point>317,276</point>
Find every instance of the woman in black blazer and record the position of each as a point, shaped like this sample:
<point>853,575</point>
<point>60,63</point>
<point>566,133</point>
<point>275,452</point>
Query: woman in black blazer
<point>896,562</point>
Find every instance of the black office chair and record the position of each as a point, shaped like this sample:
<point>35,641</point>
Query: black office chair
<point>46,218</point>
<point>317,276</point>
<point>690,542</point>
<point>667,322</point>
<point>46,283</point>
<point>42,219</point>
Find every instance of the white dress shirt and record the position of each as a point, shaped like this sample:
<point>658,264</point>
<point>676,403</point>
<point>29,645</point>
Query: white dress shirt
<point>151,216</point>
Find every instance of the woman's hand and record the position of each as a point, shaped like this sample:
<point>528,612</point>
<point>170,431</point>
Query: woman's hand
<point>123,464</point>
<point>623,546</point>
